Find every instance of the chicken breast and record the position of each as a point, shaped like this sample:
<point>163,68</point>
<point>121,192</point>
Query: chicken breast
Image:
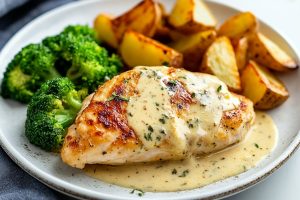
<point>156,113</point>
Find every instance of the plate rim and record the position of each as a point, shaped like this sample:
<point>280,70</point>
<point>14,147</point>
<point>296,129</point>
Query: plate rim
<point>78,192</point>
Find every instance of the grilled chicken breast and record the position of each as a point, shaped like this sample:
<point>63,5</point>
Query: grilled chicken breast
<point>156,113</point>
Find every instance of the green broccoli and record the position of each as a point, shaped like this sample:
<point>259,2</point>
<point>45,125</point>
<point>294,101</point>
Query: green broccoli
<point>81,58</point>
<point>56,43</point>
<point>73,53</point>
<point>32,66</point>
<point>51,111</point>
<point>91,64</point>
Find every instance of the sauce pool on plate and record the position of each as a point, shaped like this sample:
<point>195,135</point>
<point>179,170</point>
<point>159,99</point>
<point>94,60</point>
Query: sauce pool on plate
<point>194,172</point>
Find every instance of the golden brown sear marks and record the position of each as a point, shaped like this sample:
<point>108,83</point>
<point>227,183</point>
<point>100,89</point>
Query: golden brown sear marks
<point>181,98</point>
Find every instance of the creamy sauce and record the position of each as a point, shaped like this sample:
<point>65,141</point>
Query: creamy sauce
<point>194,172</point>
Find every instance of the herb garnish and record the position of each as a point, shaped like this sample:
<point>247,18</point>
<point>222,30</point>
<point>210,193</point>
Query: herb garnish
<point>174,171</point>
<point>165,63</point>
<point>172,82</point>
<point>184,173</point>
<point>162,132</point>
<point>148,136</point>
<point>162,120</point>
<point>219,88</point>
<point>117,97</point>
<point>150,128</point>
<point>139,192</point>
<point>193,95</point>
<point>256,145</point>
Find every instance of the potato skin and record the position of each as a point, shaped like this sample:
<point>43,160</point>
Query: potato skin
<point>270,100</point>
<point>238,26</point>
<point>270,56</point>
<point>191,16</point>
<point>106,30</point>
<point>137,49</point>
<point>262,87</point>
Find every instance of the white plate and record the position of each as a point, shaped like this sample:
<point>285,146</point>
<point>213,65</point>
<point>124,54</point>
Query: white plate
<point>48,167</point>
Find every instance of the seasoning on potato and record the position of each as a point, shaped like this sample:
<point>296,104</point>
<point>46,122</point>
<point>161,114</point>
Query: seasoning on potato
<point>266,52</point>
<point>191,16</point>
<point>263,88</point>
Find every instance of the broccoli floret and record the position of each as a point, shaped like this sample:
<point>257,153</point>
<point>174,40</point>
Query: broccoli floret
<point>81,59</point>
<point>91,64</point>
<point>57,43</point>
<point>32,66</point>
<point>74,53</point>
<point>51,111</point>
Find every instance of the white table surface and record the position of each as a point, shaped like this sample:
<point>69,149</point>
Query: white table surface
<point>284,15</point>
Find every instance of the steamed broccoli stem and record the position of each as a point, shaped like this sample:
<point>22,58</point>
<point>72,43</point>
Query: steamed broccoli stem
<point>65,117</point>
<point>74,101</point>
<point>73,73</point>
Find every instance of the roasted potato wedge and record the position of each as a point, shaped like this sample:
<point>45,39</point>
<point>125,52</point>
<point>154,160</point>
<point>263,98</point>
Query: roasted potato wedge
<point>239,26</point>
<point>193,48</point>
<point>262,87</point>
<point>143,18</point>
<point>267,53</point>
<point>191,16</point>
<point>241,53</point>
<point>137,49</point>
<point>106,30</point>
<point>219,60</point>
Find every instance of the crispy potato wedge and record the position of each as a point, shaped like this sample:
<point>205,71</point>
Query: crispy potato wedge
<point>239,26</point>
<point>219,60</point>
<point>143,18</point>
<point>137,49</point>
<point>105,30</point>
<point>191,16</point>
<point>267,53</point>
<point>262,87</point>
<point>193,48</point>
<point>241,53</point>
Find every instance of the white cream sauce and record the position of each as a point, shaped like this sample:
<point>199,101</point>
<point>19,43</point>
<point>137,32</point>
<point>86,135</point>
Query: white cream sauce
<point>154,121</point>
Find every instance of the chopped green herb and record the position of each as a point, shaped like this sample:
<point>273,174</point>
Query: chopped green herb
<point>165,116</point>
<point>148,136</point>
<point>193,95</point>
<point>174,171</point>
<point>219,88</point>
<point>165,63</point>
<point>150,128</point>
<point>162,120</point>
<point>157,104</point>
<point>158,138</point>
<point>184,173</point>
<point>256,145</point>
<point>183,77</point>
<point>138,192</point>
<point>130,114</point>
<point>162,132</point>
<point>172,82</point>
<point>114,96</point>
